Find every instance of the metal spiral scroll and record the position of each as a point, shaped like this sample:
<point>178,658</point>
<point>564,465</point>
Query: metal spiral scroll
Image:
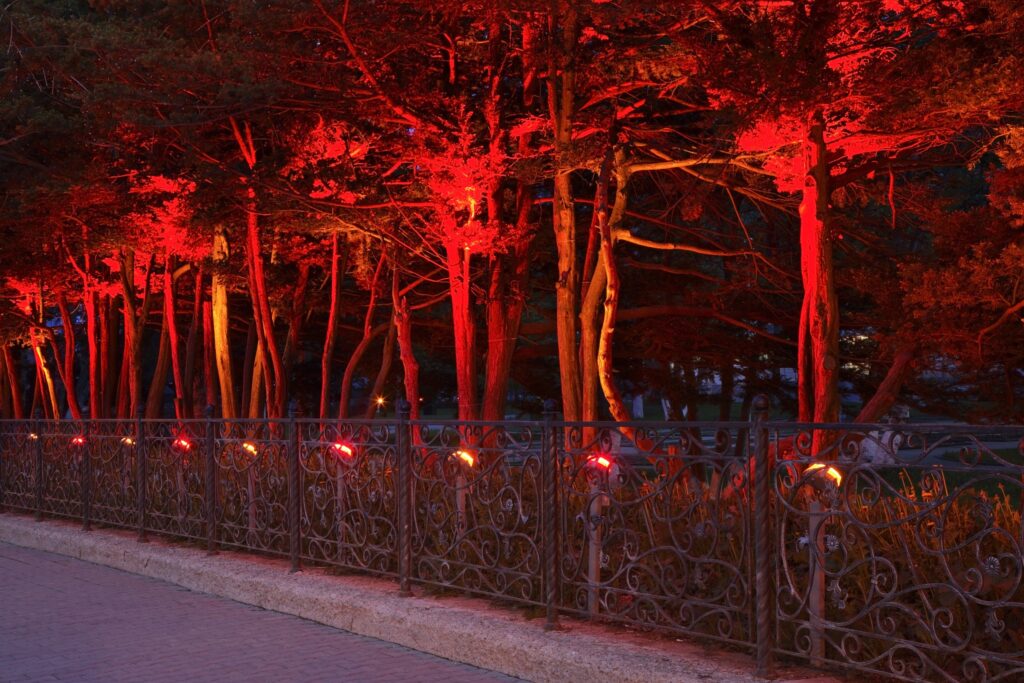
<point>175,481</point>
<point>252,486</point>
<point>922,558</point>
<point>17,465</point>
<point>113,461</point>
<point>671,517</point>
<point>476,527</point>
<point>349,511</point>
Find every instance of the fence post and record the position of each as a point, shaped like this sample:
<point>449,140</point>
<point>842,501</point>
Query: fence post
<point>38,425</point>
<point>549,472</point>
<point>141,476</point>
<point>210,485</point>
<point>762,536</point>
<point>294,537</point>
<point>86,478</point>
<point>403,456</point>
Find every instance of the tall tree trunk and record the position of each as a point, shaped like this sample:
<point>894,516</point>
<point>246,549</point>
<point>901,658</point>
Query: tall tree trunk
<point>464,327</point>
<point>593,294</point>
<point>91,303</point>
<point>67,374</point>
<point>410,367</point>
<point>818,341</point>
<point>103,313</point>
<point>155,398</point>
<point>248,368</point>
<point>17,408</point>
<point>171,325</point>
<point>332,332</point>
<point>192,347</point>
<point>210,379</point>
<point>134,322</point>
<point>364,343</point>
<point>48,394</point>
<point>256,393</point>
<point>272,364</point>
<point>561,92</point>
<point>295,320</point>
<point>606,225</point>
<point>222,326</point>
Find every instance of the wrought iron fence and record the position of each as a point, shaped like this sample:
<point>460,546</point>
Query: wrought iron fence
<point>895,550</point>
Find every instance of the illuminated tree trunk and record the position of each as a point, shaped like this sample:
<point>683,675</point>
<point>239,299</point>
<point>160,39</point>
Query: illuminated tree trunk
<point>561,93</point>
<point>505,302</point>
<point>818,340</point>
<point>17,407</point>
<point>134,322</point>
<point>210,379</point>
<point>589,323</point>
<point>222,326</point>
<point>464,326</point>
<point>67,373</point>
<point>364,343</point>
<point>48,395</point>
<point>272,365</point>
<point>155,398</point>
<point>192,346</point>
<point>331,333</point>
<point>99,410</point>
<point>256,394</point>
<point>90,303</point>
<point>171,325</point>
<point>606,225</point>
<point>410,367</point>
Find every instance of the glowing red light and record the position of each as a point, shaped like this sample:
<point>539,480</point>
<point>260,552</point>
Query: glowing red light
<point>78,441</point>
<point>182,444</point>
<point>830,472</point>
<point>599,461</point>
<point>466,457</point>
<point>342,449</point>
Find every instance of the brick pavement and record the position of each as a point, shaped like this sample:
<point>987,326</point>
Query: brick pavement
<point>62,619</point>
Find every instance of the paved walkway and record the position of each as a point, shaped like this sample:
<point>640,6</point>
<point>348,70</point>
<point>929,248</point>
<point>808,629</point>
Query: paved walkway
<point>62,619</point>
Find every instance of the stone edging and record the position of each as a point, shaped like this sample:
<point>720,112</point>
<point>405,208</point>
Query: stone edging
<point>458,629</point>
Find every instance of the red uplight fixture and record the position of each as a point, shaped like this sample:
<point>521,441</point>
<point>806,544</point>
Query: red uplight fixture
<point>33,436</point>
<point>829,471</point>
<point>466,457</point>
<point>250,447</point>
<point>342,450</point>
<point>78,440</point>
<point>601,461</point>
<point>182,444</point>
<point>128,441</point>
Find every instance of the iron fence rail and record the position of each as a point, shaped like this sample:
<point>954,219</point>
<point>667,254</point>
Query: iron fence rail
<point>896,550</point>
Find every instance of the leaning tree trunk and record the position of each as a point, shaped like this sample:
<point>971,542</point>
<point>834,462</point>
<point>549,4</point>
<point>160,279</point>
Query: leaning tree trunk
<point>387,354</point>
<point>606,225</point>
<point>272,364</point>
<point>192,347</point>
<point>17,407</point>
<point>818,341</point>
<point>364,343</point>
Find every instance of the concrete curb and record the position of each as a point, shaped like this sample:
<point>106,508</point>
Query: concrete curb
<point>459,629</point>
